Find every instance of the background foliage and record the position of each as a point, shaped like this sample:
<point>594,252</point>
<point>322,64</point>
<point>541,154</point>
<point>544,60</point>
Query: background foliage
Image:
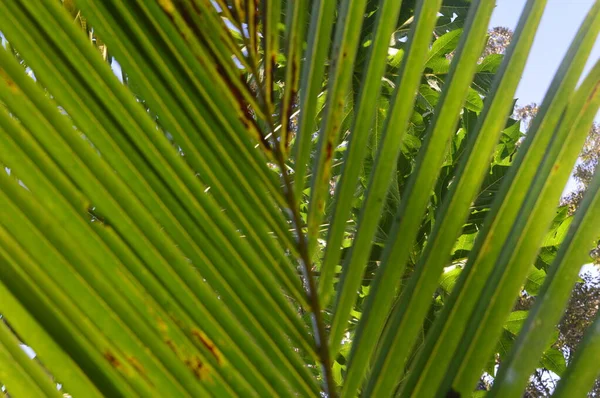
<point>173,227</point>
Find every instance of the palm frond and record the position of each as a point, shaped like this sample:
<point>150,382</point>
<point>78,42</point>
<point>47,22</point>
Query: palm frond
<point>283,198</point>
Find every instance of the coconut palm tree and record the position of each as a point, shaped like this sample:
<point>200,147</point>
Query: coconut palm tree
<point>203,222</point>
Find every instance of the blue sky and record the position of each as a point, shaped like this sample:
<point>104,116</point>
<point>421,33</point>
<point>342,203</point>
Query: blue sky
<point>557,29</point>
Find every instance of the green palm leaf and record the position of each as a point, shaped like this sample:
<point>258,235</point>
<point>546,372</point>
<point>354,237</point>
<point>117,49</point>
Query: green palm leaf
<point>264,200</point>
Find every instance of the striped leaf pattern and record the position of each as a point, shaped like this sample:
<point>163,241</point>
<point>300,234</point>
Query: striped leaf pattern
<point>260,198</point>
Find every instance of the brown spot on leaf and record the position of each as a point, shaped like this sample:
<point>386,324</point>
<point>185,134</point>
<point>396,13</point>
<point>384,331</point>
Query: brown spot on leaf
<point>197,367</point>
<point>244,107</point>
<point>109,356</point>
<point>329,152</point>
<point>250,125</point>
<point>172,346</point>
<point>9,82</point>
<point>295,77</point>
<point>207,343</point>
